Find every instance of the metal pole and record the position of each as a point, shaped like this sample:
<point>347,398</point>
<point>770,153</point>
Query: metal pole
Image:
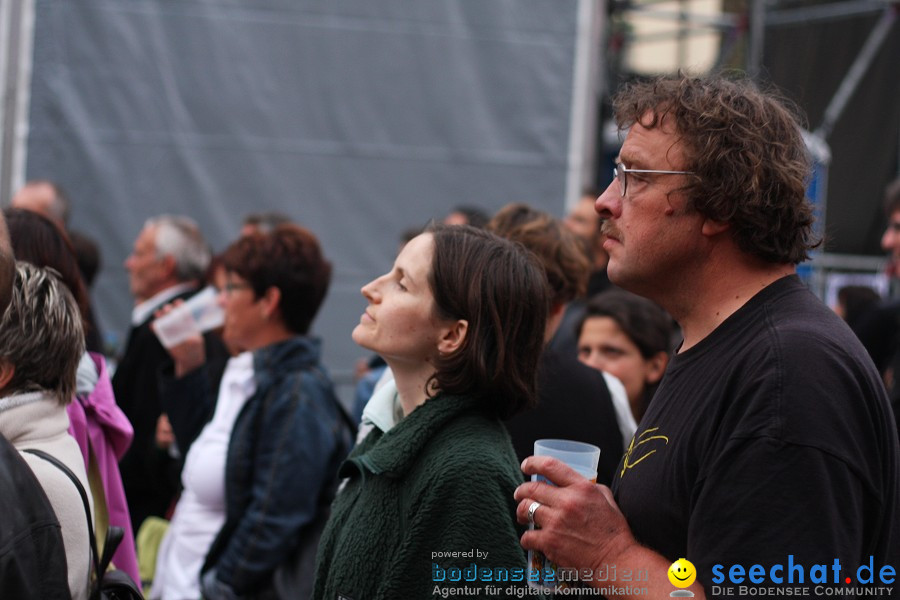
<point>583,120</point>
<point>857,70</point>
<point>682,34</point>
<point>11,24</point>
<point>16,88</point>
<point>757,37</point>
<point>824,12</point>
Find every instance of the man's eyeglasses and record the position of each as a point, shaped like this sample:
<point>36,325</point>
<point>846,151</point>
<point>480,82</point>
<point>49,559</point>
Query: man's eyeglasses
<point>620,172</point>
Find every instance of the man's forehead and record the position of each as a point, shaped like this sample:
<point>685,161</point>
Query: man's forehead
<point>658,120</point>
<point>644,148</point>
<point>40,189</point>
<point>147,236</point>
<point>38,196</point>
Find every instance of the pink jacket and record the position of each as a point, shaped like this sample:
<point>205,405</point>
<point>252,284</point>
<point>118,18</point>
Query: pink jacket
<point>99,425</point>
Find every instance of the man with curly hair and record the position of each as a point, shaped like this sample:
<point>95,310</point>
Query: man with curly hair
<point>770,443</point>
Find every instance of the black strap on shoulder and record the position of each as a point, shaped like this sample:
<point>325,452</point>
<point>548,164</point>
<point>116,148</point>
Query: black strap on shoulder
<point>348,420</point>
<point>344,414</point>
<point>87,507</point>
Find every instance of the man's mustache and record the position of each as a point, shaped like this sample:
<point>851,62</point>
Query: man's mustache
<point>608,230</point>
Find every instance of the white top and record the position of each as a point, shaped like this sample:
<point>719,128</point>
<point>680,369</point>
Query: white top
<point>624,417</point>
<point>383,409</point>
<point>200,511</point>
<point>37,420</point>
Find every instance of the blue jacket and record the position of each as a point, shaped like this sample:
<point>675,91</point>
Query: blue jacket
<point>284,452</point>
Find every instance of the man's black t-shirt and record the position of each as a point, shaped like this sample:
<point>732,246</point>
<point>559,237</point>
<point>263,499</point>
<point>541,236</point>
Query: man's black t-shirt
<point>771,437</point>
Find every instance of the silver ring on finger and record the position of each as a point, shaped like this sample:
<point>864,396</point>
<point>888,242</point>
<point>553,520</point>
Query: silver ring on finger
<point>532,508</point>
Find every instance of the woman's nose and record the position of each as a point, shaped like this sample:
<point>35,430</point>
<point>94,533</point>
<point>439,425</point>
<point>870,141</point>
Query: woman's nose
<point>595,360</point>
<point>369,291</point>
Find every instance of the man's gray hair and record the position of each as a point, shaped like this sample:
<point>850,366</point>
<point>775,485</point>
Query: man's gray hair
<point>180,238</point>
<point>41,334</point>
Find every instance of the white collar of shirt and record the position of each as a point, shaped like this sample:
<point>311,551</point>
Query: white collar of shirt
<point>382,409</point>
<point>238,375</point>
<point>142,311</point>
<point>626,422</point>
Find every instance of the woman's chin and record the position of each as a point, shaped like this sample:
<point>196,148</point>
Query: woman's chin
<point>359,337</point>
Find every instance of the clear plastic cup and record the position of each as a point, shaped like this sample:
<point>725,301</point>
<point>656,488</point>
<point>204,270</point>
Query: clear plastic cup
<point>201,312</point>
<point>581,457</point>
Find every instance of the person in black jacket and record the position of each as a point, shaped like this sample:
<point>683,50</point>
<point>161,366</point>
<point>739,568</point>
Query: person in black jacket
<point>32,555</point>
<point>574,401</point>
<point>168,262</point>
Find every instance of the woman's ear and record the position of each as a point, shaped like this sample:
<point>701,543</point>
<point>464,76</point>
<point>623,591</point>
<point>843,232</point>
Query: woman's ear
<point>270,301</point>
<point>453,337</point>
<point>656,366</point>
<point>7,371</point>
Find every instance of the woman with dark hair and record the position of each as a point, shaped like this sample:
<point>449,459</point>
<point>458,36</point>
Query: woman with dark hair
<point>629,337</point>
<point>40,241</point>
<point>855,303</point>
<point>101,429</point>
<point>460,321</point>
<point>259,475</point>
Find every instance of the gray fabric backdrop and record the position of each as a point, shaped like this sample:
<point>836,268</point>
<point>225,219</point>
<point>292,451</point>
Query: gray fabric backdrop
<point>358,118</point>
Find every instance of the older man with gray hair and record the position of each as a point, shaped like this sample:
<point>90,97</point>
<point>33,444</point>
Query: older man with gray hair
<point>168,262</point>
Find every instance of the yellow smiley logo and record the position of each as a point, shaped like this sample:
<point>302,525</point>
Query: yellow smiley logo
<point>682,573</point>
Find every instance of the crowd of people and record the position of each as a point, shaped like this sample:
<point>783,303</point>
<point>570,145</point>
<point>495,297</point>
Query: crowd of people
<point>739,420</point>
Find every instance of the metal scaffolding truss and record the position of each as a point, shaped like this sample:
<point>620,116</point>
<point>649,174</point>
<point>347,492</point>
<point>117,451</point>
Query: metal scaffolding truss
<point>742,26</point>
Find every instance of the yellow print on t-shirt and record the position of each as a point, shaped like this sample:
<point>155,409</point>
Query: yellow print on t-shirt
<point>646,437</point>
